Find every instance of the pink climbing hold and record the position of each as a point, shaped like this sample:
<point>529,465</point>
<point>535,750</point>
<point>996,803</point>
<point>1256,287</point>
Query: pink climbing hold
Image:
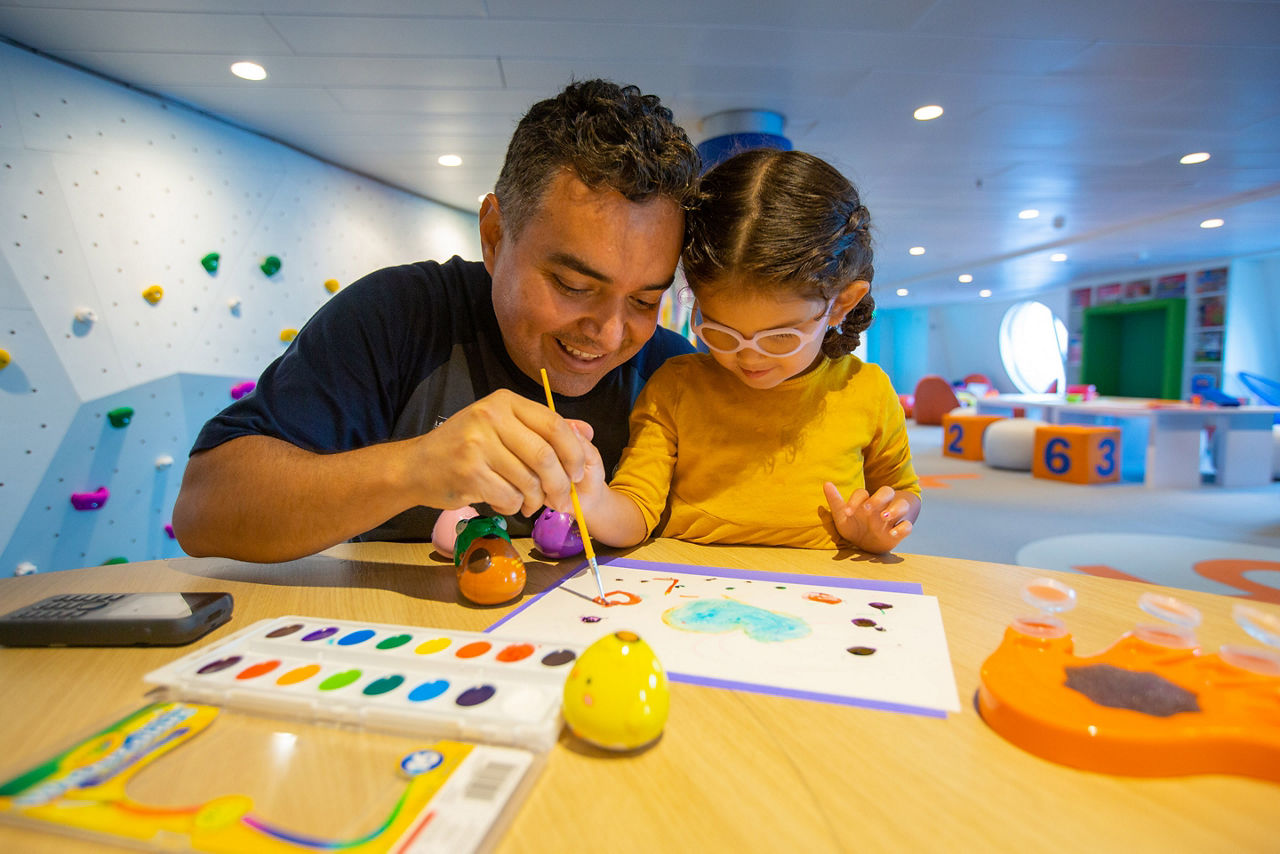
<point>90,500</point>
<point>168,529</point>
<point>239,390</point>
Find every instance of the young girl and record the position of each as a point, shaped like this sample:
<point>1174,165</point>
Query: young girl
<point>740,445</point>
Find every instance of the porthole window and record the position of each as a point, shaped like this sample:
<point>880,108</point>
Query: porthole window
<point>1033,347</point>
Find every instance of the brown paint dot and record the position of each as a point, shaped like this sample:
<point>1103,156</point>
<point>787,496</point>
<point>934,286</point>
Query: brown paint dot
<point>862,650</point>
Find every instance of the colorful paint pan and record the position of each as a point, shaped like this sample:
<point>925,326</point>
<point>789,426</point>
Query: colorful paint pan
<point>434,645</point>
<point>298,674</point>
<point>472,650</point>
<point>420,681</point>
<point>253,671</point>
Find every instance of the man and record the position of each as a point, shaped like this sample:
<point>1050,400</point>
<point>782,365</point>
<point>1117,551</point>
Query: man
<point>417,389</point>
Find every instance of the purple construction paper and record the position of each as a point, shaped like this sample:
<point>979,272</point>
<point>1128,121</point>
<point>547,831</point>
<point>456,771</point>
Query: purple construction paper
<point>806,695</point>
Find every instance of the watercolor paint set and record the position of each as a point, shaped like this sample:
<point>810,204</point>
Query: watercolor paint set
<point>303,734</point>
<point>471,686</point>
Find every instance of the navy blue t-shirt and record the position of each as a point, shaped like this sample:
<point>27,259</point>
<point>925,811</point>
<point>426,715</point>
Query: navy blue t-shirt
<point>399,351</point>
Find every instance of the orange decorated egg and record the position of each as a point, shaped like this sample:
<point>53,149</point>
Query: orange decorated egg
<point>490,571</point>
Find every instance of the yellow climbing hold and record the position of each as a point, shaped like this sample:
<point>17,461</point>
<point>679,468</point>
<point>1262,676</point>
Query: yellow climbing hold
<point>4,359</point>
<point>287,335</point>
<point>331,285</point>
<point>153,294</point>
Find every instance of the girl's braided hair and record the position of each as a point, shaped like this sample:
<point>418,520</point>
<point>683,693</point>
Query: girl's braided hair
<point>784,221</point>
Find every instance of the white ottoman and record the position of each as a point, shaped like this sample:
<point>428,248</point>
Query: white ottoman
<point>1008,444</point>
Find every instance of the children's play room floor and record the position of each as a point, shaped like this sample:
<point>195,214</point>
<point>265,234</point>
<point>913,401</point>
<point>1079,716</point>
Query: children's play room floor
<point>1224,541</point>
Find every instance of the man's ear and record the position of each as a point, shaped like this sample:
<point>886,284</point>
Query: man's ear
<point>847,300</point>
<point>490,231</point>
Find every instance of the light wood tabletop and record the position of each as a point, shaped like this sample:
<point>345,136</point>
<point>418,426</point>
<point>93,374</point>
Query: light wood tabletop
<point>734,771</point>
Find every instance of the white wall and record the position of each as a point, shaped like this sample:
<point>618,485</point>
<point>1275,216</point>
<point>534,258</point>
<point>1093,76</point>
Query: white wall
<point>103,193</point>
<point>1252,343</point>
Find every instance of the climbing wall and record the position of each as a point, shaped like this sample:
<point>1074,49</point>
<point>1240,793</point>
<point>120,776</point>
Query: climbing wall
<point>153,259</point>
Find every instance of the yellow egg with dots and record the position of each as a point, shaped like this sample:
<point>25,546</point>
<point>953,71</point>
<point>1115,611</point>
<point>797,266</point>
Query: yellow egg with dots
<point>617,697</point>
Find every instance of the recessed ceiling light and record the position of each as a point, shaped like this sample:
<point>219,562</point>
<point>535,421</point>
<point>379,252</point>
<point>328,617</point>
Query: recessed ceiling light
<point>1213,223</point>
<point>1058,257</point>
<point>449,160</point>
<point>1029,213</point>
<point>916,250</point>
<point>984,293</point>
<point>927,113</point>
<point>965,278</point>
<point>249,70</point>
<point>902,292</point>
<point>1197,157</point>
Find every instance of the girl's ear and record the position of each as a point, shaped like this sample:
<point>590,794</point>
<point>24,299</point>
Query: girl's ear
<point>847,300</point>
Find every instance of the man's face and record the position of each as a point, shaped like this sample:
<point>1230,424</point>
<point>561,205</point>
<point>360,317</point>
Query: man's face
<point>577,290</point>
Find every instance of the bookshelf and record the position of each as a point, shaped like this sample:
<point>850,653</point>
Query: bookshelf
<point>1205,291</point>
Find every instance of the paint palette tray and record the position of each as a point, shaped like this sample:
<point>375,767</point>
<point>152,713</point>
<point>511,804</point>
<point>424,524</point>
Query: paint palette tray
<point>469,686</point>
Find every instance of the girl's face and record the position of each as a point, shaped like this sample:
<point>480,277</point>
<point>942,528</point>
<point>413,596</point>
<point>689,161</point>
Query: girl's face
<point>749,312</point>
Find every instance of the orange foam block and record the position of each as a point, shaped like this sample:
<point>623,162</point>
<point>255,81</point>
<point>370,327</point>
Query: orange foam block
<point>962,434</point>
<point>1077,453</point>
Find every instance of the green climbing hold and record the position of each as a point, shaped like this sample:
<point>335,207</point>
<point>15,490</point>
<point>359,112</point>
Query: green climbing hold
<point>120,416</point>
<point>270,265</point>
<point>111,561</point>
<point>210,262</point>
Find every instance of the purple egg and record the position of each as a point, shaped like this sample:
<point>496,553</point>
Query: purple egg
<point>556,534</point>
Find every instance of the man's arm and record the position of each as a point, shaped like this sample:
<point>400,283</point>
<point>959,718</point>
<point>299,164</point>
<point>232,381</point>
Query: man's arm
<point>263,499</point>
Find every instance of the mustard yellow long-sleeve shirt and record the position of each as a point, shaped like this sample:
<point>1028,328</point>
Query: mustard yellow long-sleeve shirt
<point>711,460</point>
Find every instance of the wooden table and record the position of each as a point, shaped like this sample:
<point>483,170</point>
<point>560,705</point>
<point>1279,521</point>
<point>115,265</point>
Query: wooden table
<point>734,771</point>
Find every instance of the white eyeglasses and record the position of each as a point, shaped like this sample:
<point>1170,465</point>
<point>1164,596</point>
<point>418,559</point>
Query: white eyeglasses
<point>781,342</point>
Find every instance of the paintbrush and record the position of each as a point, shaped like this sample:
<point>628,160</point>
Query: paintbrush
<point>577,507</point>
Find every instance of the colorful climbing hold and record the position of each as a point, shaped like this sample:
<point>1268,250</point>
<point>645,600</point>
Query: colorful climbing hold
<point>168,529</point>
<point>153,294</point>
<point>270,265</point>
<point>86,315</point>
<point>287,335</point>
<point>234,305</point>
<point>210,262</point>
<point>90,500</point>
<point>120,416</point>
<point>112,561</point>
<point>332,285</point>
<point>5,358</point>
<point>164,461</point>
<point>239,390</point>
<point>25,568</point>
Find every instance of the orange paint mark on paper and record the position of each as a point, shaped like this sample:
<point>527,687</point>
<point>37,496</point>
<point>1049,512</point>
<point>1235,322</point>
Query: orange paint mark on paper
<point>1101,570</point>
<point>674,582</point>
<point>939,481</point>
<point>824,597</point>
<point>1231,573</point>
<point>630,599</point>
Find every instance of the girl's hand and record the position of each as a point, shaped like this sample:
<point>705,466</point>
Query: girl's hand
<point>592,485</point>
<point>872,523</point>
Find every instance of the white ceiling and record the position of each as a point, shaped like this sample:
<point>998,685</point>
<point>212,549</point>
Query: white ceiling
<point>1080,109</point>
